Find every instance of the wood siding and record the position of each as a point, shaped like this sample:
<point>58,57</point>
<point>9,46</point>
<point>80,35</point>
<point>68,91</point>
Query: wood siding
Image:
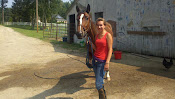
<point>143,26</point>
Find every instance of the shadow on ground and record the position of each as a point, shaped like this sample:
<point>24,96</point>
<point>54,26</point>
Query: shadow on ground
<point>65,75</point>
<point>68,84</point>
<point>148,64</point>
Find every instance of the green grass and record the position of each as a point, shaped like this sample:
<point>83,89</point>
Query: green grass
<point>27,31</point>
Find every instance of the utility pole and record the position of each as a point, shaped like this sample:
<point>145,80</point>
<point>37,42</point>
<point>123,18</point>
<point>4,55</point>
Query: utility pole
<point>37,14</point>
<point>2,6</point>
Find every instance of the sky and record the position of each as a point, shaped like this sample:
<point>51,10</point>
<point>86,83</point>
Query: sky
<point>9,4</point>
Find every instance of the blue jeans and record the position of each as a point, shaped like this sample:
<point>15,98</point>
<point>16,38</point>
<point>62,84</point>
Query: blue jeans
<point>98,68</point>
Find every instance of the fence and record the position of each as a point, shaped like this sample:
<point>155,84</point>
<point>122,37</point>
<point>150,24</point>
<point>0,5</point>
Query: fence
<point>18,23</point>
<point>57,31</point>
<point>53,30</point>
<point>29,23</point>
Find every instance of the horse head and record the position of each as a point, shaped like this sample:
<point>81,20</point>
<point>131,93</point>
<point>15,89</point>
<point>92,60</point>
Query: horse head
<point>83,21</point>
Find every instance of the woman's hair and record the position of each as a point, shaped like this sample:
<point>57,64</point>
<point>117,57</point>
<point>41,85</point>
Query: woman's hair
<point>101,19</point>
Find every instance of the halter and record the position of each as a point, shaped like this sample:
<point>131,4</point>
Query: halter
<point>86,30</point>
<point>89,40</point>
<point>89,26</point>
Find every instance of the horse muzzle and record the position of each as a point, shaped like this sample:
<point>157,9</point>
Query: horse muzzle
<point>79,35</point>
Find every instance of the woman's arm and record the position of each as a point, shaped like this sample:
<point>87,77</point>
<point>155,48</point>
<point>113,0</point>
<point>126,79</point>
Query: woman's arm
<point>110,43</point>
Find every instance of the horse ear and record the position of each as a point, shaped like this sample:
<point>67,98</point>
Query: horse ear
<point>77,8</point>
<point>88,8</point>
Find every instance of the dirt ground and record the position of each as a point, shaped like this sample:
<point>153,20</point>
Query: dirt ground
<point>33,69</point>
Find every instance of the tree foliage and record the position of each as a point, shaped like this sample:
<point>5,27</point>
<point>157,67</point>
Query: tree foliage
<point>7,14</point>
<point>25,10</point>
<point>47,8</point>
<point>3,3</point>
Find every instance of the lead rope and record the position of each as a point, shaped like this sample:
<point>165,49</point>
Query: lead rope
<point>87,57</point>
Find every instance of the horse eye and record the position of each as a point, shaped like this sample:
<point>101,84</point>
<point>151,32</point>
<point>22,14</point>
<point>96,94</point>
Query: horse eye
<point>86,18</point>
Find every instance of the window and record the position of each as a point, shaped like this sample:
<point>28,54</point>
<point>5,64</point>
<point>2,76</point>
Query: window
<point>98,15</point>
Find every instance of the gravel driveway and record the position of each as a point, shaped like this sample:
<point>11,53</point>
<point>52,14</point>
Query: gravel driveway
<point>18,49</point>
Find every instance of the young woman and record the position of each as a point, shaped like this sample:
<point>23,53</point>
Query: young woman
<point>102,55</point>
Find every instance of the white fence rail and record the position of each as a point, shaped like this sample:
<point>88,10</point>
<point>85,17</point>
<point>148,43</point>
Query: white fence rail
<point>30,24</point>
<point>17,23</point>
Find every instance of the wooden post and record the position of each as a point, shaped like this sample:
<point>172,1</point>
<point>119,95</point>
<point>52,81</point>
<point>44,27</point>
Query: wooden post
<point>56,32</point>
<point>43,31</point>
<point>37,14</point>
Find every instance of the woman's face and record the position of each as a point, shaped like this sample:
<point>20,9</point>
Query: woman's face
<point>100,26</point>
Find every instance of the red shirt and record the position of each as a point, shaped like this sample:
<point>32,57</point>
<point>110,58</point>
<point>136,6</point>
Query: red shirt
<point>101,51</point>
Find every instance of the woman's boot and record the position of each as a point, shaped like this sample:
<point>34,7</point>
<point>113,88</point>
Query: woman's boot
<point>102,93</point>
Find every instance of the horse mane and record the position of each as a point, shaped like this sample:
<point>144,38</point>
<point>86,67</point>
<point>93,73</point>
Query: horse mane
<point>108,24</point>
<point>109,28</point>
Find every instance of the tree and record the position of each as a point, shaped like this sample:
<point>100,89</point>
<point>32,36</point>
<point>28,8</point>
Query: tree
<point>47,9</point>
<point>3,6</point>
<point>43,9</point>
<point>65,8</point>
<point>28,10</point>
<point>17,8</point>
<point>24,11</point>
<point>7,15</point>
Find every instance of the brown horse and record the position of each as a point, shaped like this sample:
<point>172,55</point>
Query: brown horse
<point>87,28</point>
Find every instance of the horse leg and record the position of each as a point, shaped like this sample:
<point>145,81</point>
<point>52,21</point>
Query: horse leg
<point>108,76</point>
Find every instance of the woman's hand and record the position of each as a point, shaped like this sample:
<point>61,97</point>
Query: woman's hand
<point>92,44</point>
<point>106,67</point>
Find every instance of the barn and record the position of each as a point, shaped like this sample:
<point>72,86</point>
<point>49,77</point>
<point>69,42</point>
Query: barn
<point>140,26</point>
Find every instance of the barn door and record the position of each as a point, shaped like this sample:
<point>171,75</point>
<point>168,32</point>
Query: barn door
<point>113,24</point>
<point>72,29</point>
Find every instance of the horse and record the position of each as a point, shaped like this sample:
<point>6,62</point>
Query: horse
<point>87,28</point>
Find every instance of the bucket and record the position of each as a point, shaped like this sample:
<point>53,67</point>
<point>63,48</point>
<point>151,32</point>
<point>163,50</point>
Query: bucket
<point>82,43</point>
<point>64,39</point>
<point>117,54</point>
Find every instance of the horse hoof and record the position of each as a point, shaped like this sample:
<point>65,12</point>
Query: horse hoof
<point>108,79</point>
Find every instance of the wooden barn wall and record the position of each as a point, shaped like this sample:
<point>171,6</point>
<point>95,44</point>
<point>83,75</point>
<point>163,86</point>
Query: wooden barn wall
<point>150,16</point>
<point>135,15</point>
